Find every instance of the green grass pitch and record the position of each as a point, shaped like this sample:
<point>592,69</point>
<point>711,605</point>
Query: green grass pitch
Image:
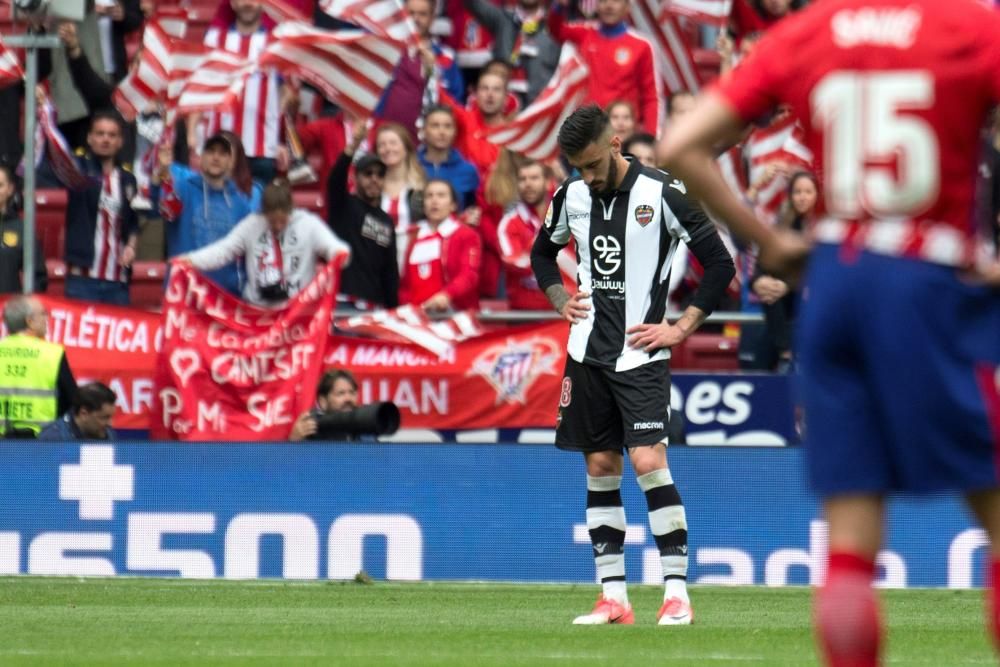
<point>173,622</point>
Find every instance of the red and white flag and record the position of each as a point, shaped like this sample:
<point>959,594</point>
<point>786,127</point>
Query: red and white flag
<point>164,66</point>
<point>60,154</point>
<point>674,62</point>
<point>409,324</point>
<point>713,12</point>
<point>351,67</point>
<point>10,68</point>
<point>386,18</point>
<point>171,20</point>
<point>533,131</point>
<point>216,84</point>
<point>781,141</point>
<point>281,11</point>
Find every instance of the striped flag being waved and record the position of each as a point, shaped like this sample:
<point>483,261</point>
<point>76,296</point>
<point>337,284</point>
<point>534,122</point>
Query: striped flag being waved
<point>386,18</point>
<point>713,12</point>
<point>533,131</point>
<point>164,66</point>
<point>409,324</point>
<point>10,68</point>
<point>351,67</point>
<point>674,62</point>
<point>216,84</point>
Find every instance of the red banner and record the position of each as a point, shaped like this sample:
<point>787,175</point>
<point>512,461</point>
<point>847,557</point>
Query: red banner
<point>503,378</point>
<point>231,371</point>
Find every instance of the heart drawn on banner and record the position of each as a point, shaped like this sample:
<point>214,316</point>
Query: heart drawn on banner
<point>185,363</point>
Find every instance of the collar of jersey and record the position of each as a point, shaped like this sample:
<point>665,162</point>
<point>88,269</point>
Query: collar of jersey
<point>615,30</point>
<point>633,173</point>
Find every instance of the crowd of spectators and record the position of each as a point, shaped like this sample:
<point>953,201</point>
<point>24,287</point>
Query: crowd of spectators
<point>432,212</point>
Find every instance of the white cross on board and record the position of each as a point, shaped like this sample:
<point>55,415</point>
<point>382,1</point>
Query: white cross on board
<point>96,482</point>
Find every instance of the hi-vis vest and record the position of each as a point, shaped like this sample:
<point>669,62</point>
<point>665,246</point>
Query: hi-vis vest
<point>29,371</point>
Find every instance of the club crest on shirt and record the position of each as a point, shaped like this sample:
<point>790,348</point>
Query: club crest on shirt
<point>643,214</point>
<point>622,56</point>
<point>512,367</point>
<point>10,239</point>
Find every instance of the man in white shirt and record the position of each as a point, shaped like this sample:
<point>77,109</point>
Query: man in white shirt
<point>280,246</point>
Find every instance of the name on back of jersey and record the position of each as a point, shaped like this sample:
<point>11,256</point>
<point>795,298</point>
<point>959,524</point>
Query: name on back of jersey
<point>896,27</point>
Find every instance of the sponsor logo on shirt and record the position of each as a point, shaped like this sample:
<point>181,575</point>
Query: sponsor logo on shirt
<point>607,254</point>
<point>608,285</point>
<point>643,214</point>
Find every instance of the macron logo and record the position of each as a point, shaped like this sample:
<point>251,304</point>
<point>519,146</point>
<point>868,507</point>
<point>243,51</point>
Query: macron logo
<point>96,482</point>
<point>643,426</point>
<point>878,27</point>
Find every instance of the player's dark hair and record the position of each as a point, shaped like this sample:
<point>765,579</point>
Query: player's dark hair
<point>641,138</point>
<point>330,378</point>
<point>92,397</point>
<point>583,127</point>
<point>107,114</point>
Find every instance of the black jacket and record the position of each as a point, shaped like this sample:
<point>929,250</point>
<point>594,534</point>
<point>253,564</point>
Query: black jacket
<point>373,274</point>
<point>131,21</point>
<point>11,255</point>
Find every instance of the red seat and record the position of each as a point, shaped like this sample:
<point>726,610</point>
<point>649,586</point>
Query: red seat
<point>707,352</point>
<point>308,198</point>
<point>50,221</point>
<point>147,285</point>
<point>56,269</point>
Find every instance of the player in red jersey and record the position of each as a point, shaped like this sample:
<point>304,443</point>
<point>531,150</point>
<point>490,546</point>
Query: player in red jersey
<point>899,338</point>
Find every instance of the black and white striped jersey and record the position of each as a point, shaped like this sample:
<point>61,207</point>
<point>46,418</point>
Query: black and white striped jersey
<point>625,243</point>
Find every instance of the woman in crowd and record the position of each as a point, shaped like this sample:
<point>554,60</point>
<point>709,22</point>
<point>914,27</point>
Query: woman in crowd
<point>404,181</point>
<point>775,295</point>
<point>441,269</point>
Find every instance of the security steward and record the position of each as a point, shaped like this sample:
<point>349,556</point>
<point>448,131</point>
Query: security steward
<point>36,383</point>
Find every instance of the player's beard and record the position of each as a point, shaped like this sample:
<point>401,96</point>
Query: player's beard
<point>608,182</point>
<point>611,178</point>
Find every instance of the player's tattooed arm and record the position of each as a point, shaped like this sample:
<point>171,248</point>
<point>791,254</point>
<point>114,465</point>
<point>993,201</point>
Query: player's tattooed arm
<point>572,308</point>
<point>690,320</point>
<point>557,296</point>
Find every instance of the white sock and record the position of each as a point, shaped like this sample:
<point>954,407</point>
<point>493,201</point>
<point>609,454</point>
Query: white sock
<point>615,590</point>
<point>676,588</point>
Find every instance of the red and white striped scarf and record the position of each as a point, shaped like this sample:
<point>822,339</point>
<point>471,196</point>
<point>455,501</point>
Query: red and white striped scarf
<point>107,235</point>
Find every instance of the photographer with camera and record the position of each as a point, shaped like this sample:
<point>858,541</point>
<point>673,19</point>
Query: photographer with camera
<point>338,417</point>
<point>279,245</point>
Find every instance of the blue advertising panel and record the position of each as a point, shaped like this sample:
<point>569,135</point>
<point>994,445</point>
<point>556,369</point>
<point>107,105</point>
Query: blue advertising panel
<point>735,408</point>
<point>416,512</point>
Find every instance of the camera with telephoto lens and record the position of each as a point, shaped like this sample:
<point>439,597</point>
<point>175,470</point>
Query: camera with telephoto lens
<point>372,419</point>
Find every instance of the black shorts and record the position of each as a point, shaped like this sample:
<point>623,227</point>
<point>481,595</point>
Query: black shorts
<point>601,410</point>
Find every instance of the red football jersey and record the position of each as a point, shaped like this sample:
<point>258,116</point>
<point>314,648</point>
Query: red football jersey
<point>892,96</point>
